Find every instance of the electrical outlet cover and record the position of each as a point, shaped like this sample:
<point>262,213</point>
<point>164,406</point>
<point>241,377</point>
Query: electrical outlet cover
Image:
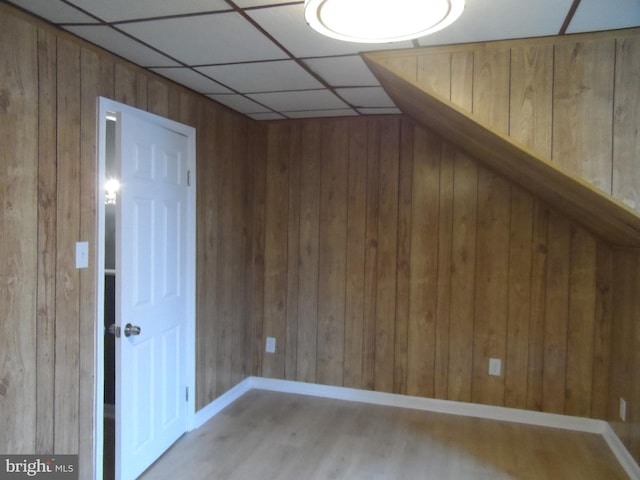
<point>271,345</point>
<point>495,367</point>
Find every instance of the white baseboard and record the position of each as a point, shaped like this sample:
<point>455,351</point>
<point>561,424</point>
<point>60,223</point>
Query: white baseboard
<point>566,422</point>
<point>622,454</point>
<point>205,414</point>
<point>433,405</point>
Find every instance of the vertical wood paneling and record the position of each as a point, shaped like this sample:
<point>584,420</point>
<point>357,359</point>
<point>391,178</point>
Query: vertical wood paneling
<point>158,97</point>
<point>18,224</point>
<point>492,286</point>
<point>583,106</point>
<point>275,250</point>
<point>602,331</point>
<point>48,111</point>
<point>387,255</point>
<point>225,270</point>
<point>206,268</point>
<point>463,262</point>
<point>434,73</point>
<point>556,310</point>
<point>66,401</point>
<point>424,261</point>
<point>356,225</point>
<point>581,325</point>
<point>519,300</point>
<point>443,312</point>
<point>530,115</point>
<point>293,245</point>
<point>332,252</point>
<point>258,185</point>
<point>403,286</point>
<point>308,256</point>
<point>46,306</point>
<point>538,301</point>
<point>96,80</point>
<point>625,358</point>
<point>626,136</point>
<point>371,256</point>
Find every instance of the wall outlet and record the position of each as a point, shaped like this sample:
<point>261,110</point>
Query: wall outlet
<point>495,367</point>
<point>271,345</point>
<point>623,409</point>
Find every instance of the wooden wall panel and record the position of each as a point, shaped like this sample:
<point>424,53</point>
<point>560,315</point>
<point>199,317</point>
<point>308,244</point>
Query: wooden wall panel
<point>332,253</point>
<point>566,95</point>
<point>425,266</point>
<point>48,193</point>
<point>626,136</point>
<point>67,276</point>
<point>583,108</point>
<point>625,354</point>
<point>356,227</point>
<point>19,247</point>
<point>308,256</point>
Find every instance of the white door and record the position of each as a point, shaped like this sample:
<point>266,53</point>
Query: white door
<point>152,305</point>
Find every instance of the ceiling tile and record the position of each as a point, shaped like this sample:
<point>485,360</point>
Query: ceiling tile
<point>240,103</point>
<point>256,3</point>
<point>343,112</point>
<point>263,76</point>
<point>116,10</point>
<point>122,45</point>
<point>484,20</point>
<point>206,39</point>
<point>598,15</point>
<point>299,101</point>
<point>192,80</point>
<point>343,71</point>
<point>287,25</point>
<point>366,97</point>
<point>380,111</point>
<point>55,11</point>
<point>266,116</point>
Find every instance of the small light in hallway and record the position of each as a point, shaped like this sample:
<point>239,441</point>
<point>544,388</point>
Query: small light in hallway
<point>380,21</point>
<point>111,187</point>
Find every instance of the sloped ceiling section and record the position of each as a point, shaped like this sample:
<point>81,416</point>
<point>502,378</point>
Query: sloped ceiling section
<point>597,211</point>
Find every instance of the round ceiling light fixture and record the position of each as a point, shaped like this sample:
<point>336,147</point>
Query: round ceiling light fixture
<point>380,21</point>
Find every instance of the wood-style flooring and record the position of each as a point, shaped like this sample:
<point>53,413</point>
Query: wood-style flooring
<point>267,435</point>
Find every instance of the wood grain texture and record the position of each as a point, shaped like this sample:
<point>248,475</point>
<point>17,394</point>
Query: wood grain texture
<point>278,435</point>
<point>48,114</point>
<point>583,108</point>
<point>19,227</point>
<point>600,213</point>
<point>47,172</point>
<point>308,257</point>
<point>66,400</point>
<point>626,137</point>
<point>332,253</point>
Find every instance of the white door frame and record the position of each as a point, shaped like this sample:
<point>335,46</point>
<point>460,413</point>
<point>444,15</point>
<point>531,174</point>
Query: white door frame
<point>108,107</point>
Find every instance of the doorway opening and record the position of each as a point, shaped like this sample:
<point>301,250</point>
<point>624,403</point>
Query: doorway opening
<point>175,164</point>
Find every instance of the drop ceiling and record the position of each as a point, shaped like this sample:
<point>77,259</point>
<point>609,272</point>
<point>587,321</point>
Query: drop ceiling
<point>260,58</point>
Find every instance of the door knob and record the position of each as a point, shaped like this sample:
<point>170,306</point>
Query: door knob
<point>131,330</point>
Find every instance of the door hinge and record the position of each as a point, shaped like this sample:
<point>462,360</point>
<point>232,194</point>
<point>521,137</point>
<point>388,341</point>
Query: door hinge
<point>188,178</point>
<point>186,392</point>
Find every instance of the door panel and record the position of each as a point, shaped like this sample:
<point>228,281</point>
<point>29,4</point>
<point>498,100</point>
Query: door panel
<point>151,256</point>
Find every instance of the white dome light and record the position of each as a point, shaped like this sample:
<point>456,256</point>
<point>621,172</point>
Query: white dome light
<point>380,21</point>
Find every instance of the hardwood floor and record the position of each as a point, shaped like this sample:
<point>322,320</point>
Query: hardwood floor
<point>268,435</point>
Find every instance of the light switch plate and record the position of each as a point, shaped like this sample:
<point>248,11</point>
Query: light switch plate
<point>82,254</point>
